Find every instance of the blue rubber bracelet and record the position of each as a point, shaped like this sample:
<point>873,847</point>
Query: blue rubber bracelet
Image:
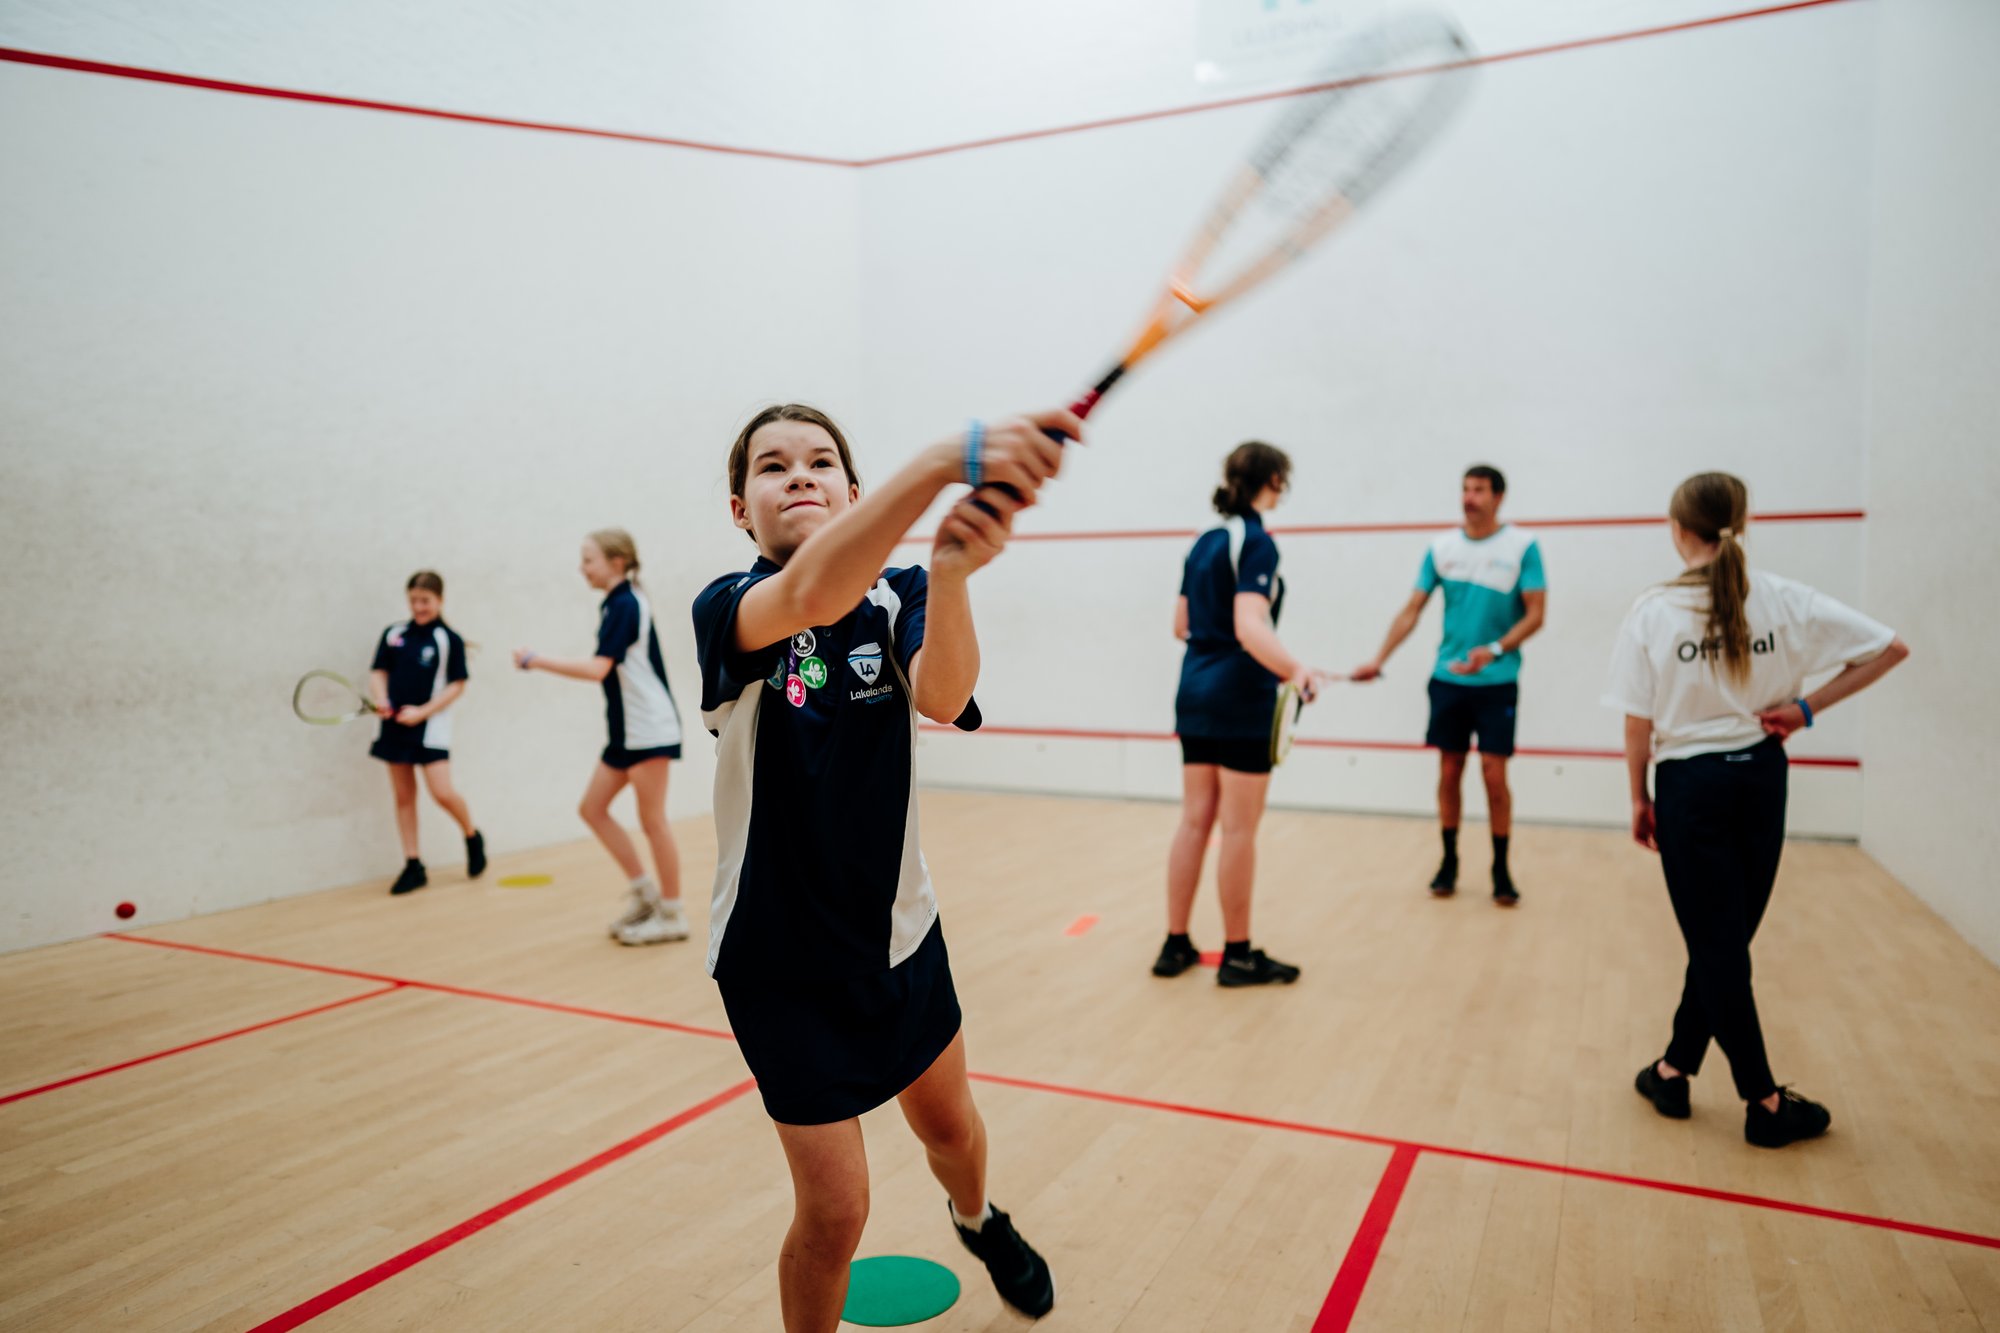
<point>975,443</point>
<point>1805,708</point>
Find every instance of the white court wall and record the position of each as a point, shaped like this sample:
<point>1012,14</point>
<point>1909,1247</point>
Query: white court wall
<point>1621,265</point>
<point>262,360</point>
<point>1596,280</point>
<point>1933,479</point>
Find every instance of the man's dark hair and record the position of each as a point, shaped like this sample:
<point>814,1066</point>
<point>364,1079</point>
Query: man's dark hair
<point>1491,475</point>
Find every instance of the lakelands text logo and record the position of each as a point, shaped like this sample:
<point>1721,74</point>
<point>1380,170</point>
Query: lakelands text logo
<point>1710,649</point>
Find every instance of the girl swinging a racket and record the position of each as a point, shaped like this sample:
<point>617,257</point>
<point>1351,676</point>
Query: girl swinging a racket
<point>816,663</point>
<point>418,673</point>
<point>1227,613</point>
<point>645,735</point>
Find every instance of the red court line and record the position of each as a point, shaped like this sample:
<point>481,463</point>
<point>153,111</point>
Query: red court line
<point>1407,525</point>
<point>1499,57</point>
<point>1348,1283</point>
<point>1081,926</point>
<point>1523,1163</point>
<point>472,1226</point>
<point>439,987</point>
<point>1186,1109</point>
<point>46,60</point>
<point>196,1045</point>
<point>1326,743</point>
<point>76,65</point>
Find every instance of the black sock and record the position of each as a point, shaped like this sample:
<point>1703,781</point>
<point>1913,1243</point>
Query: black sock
<point>1450,836</point>
<point>1235,949</point>
<point>1500,856</point>
<point>413,864</point>
<point>1179,942</point>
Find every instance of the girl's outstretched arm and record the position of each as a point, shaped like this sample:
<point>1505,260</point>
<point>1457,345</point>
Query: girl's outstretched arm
<point>834,568</point>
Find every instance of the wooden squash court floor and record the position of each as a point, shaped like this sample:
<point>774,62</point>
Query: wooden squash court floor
<point>470,1110</point>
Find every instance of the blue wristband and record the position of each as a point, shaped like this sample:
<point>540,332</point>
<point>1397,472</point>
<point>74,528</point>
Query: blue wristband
<point>975,441</point>
<point>1805,708</point>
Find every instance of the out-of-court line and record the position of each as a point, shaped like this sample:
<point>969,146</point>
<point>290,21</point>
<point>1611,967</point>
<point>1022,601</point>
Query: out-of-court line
<point>1344,1297</point>
<point>197,1045</point>
<point>50,60</point>
<point>1080,926</point>
<point>1207,1112</point>
<point>342,1292</point>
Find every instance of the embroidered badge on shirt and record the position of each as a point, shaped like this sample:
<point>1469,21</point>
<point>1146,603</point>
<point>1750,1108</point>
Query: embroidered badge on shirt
<point>803,643</point>
<point>813,672</point>
<point>867,662</point>
<point>795,692</point>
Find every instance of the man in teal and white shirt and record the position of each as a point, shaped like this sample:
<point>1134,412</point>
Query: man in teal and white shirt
<point>1495,596</point>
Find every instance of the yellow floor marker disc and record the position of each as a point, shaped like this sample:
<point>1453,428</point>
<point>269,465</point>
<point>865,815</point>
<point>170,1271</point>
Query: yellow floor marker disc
<point>525,881</point>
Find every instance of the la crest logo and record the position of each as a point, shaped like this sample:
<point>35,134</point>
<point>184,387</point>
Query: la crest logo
<point>867,662</point>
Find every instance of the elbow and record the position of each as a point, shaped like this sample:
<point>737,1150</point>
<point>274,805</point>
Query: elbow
<point>943,712</point>
<point>1898,652</point>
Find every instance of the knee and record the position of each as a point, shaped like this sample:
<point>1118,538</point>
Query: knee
<point>655,824</point>
<point>1198,818</point>
<point>954,1136</point>
<point>833,1225</point>
<point>589,812</point>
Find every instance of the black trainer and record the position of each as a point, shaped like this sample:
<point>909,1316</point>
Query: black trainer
<point>1669,1096</point>
<point>1796,1118</point>
<point>1255,968</point>
<point>1175,958</point>
<point>475,855</point>
<point>412,878</point>
<point>1445,882</point>
<point>1504,892</point>
<point>1019,1274</point>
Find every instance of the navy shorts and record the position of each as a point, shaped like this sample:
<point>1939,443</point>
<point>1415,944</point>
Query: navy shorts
<point>617,756</point>
<point>1458,711</point>
<point>399,744</point>
<point>1238,754</point>
<point>825,1051</point>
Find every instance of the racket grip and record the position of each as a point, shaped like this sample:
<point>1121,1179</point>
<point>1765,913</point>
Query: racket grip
<point>1082,408</point>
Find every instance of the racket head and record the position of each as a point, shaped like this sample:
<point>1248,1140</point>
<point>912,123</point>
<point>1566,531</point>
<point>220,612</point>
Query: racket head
<point>1381,98</point>
<point>1285,721</point>
<point>327,699</point>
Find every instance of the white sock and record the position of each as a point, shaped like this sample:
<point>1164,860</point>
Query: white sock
<point>648,892</point>
<point>972,1223</point>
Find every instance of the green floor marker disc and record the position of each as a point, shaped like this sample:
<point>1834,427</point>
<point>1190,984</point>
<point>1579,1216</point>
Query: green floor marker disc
<point>525,881</point>
<point>891,1290</point>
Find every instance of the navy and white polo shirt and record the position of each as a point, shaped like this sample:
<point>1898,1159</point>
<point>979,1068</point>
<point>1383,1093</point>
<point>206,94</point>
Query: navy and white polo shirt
<point>818,871</point>
<point>421,660</point>
<point>638,707</point>
<point>1225,692</point>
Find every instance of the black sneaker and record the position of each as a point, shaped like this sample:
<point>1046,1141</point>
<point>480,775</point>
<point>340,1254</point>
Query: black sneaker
<point>1796,1118</point>
<point>475,855</point>
<point>1175,959</point>
<point>1504,892</point>
<point>1445,882</point>
<point>1019,1274</point>
<point>1669,1096</point>
<point>412,878</point>
<point>1254,969</point>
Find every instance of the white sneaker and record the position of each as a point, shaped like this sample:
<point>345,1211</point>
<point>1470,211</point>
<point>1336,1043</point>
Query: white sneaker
<point>664,922</point>
<point>636,911</point>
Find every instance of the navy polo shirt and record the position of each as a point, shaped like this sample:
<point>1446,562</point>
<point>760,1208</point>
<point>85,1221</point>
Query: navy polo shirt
<point>1225,692</point>
<point>420,660</point>
<point>818,870</point>
<point>639,711</point>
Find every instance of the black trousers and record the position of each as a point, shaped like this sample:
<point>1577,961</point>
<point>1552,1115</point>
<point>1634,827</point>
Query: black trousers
<point>1721,830</point>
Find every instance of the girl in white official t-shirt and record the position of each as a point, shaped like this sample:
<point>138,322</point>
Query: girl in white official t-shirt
<point>1709,671</point>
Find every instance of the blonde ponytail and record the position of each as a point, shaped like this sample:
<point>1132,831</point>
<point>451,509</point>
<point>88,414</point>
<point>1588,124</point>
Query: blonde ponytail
<point>1714,506</point>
